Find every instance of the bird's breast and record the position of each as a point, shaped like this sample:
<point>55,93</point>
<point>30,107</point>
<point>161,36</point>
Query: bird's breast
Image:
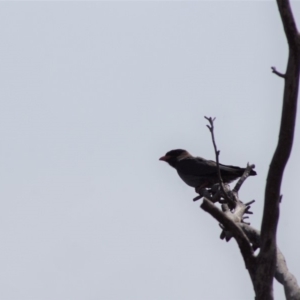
<point>191,180</point>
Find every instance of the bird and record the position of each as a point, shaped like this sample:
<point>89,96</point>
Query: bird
<point>198,172</point>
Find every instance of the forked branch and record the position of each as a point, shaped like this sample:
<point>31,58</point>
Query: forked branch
<point>232,222</point>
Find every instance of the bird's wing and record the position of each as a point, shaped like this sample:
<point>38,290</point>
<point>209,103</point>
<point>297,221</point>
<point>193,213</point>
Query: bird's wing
<point>199,166</point>
<point>196,166</point>
<point>231,169</point>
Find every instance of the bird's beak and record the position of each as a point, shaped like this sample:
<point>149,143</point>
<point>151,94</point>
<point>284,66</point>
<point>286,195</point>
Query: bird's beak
<point>164,158</point>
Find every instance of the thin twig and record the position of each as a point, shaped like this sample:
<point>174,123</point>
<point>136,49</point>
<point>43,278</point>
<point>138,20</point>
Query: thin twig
<point>243,178</point>
<point>217,153</point>
<point>277,73</point>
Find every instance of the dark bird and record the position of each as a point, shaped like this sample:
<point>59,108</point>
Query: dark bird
<point>199,172</point>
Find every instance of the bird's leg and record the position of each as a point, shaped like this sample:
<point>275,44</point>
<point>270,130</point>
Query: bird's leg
<point>202,191</point>
<point>200,187</point>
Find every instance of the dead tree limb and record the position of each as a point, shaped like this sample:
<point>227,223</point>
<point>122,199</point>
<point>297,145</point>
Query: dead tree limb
<point>267,255</point>
<point>232,221</point>
<point>269,263</point>
<point>282,273</point>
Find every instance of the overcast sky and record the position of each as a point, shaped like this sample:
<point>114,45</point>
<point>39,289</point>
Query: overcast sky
<point>92,94</point>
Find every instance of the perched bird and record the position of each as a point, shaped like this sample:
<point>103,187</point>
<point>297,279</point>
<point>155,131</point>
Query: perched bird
<point>199,172</point>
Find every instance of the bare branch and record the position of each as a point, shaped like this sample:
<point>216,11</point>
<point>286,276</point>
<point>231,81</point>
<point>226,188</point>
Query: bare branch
<point>287,279</point>
<point>233,224</point>
<point>277,73</point>
<point>217,153</point>
<point>267,255</point>
<point>282,274</point>
<point>229,224</point>
<point>243,178</point>
<point>270,261</point>
<point>289,24</point>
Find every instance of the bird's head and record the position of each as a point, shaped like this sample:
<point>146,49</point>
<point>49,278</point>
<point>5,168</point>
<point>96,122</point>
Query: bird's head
<point>174,156</point>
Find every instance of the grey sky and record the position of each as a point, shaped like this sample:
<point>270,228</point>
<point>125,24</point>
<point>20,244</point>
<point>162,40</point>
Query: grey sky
<point>92,94</point>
